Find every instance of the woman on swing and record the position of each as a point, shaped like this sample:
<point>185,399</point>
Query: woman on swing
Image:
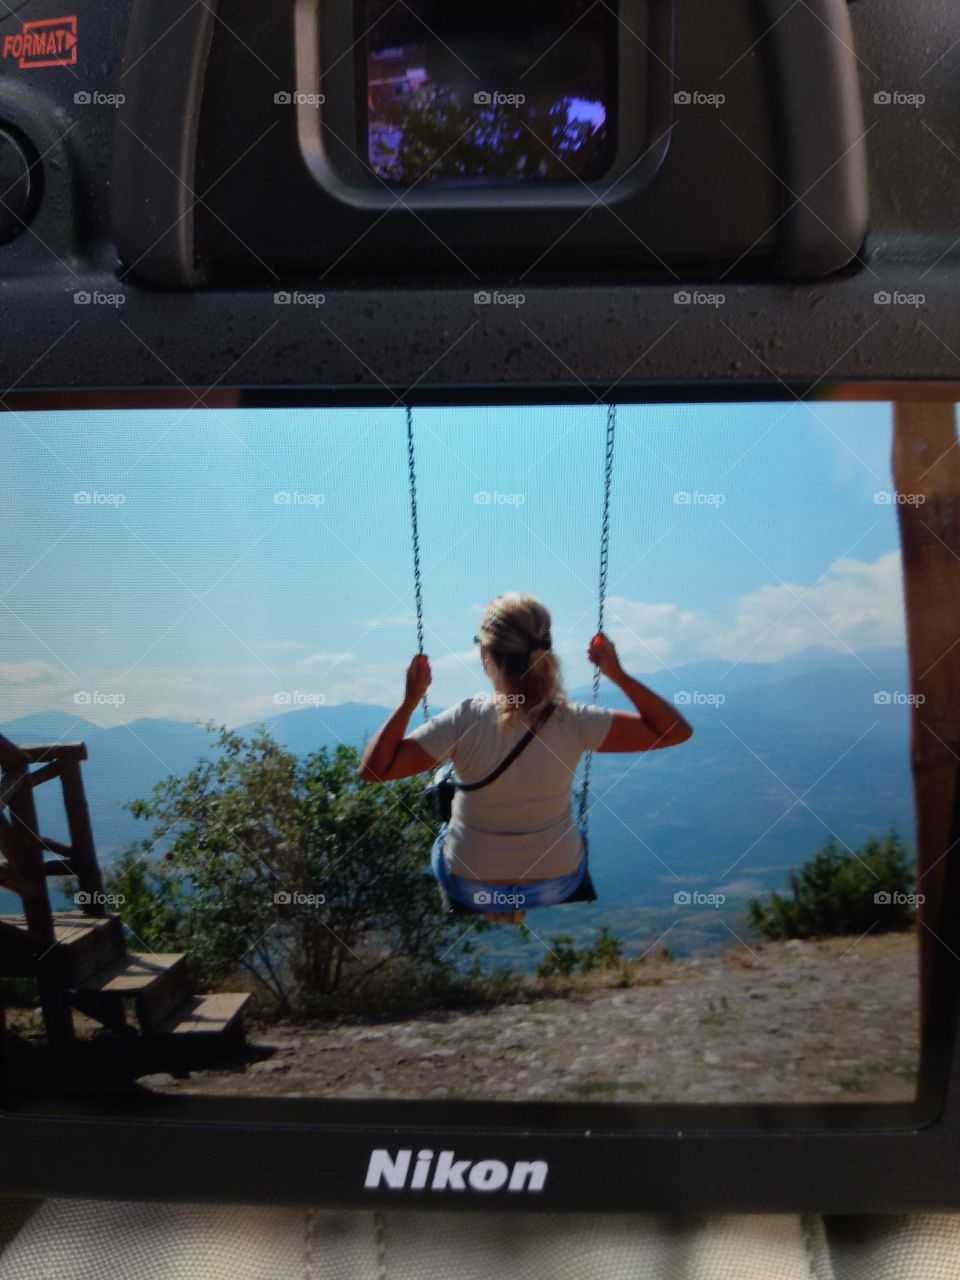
<point>515,840</point>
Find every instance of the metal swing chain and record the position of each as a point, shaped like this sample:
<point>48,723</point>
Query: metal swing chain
<point>415,529</point>
<point>602,593</point>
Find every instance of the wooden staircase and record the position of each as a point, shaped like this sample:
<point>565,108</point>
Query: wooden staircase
<point>80,958</point>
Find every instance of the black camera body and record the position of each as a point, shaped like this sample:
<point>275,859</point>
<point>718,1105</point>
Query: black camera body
<point>191,145</point>
<point>313,202</point>
<point>234,139</point>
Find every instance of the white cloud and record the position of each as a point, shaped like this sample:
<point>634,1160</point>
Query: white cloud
<point>28,673</point>
<point>456,675</point>
<point>390,620</point>
<point>854,605</point>
<point>655,634</point>
<point>327,660</point>
<point>457,661</point>
<point>111,697</point>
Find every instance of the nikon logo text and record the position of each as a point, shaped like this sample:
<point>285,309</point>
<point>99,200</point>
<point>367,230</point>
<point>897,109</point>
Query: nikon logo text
<point>400,1171</point>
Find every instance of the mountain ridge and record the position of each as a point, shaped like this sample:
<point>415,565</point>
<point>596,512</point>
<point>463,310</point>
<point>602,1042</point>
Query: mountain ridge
<point>769,772</point>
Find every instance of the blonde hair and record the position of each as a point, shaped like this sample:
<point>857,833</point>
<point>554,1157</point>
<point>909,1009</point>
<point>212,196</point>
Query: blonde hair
<point>515,631</point>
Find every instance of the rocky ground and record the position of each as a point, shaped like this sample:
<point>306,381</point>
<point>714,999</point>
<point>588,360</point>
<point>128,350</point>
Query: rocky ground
<point>824,1021</point>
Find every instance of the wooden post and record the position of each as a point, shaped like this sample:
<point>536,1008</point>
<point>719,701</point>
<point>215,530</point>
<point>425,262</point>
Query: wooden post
<point>24,851</point>
<point>83,854</point>
<point>926,469</point>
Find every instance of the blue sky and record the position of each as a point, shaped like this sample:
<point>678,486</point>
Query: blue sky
<point>187,588</point>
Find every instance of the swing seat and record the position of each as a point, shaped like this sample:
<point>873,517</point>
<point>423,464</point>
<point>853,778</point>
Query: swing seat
<point>584,892</point>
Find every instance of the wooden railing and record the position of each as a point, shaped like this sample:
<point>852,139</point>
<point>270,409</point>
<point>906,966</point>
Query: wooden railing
<point>23,866</point>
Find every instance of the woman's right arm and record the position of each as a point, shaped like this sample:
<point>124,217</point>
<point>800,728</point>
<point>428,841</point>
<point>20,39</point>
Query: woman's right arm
<point>656,723</point>
<point>388,754</point>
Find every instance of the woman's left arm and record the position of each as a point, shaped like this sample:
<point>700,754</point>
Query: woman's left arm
<point>388,754</point>
<point>656,723</point>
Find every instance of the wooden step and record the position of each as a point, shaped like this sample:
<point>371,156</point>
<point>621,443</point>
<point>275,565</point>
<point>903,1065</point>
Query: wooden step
<point>205,1015</point>
<point>134,973</point>
<point>157,983</point>
<point>84,944</point>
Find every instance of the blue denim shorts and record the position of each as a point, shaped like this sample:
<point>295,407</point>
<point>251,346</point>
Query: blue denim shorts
<point>481,895</point>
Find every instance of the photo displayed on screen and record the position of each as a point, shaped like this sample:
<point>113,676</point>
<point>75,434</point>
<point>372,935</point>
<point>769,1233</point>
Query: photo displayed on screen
<point>500,92</point>
<point>237,672</point>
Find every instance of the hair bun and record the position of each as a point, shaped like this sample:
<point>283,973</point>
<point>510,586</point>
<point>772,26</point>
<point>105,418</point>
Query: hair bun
<point>537,642</point>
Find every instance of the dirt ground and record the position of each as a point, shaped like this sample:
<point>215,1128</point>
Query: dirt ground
<point>823,1021</point>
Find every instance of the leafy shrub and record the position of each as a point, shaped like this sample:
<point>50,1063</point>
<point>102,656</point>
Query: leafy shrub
<point>606,952</point>
<point>835,893</point>
<point>564,959</point>
<point>561,960</point>
<point>289,869</point>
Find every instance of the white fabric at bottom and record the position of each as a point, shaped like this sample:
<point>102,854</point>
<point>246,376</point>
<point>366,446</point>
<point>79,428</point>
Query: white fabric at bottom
<point>926,1246</point>
<point>581,1247</point>
<point>87,1240</point>
<point>93,1240</point>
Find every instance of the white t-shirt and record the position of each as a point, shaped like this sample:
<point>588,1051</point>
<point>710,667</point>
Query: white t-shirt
<point>520,827</point>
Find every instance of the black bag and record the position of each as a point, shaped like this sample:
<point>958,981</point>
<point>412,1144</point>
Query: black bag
<point>441,790</point>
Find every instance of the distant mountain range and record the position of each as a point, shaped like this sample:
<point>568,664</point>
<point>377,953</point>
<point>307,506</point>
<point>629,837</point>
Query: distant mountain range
<point>796,749</point>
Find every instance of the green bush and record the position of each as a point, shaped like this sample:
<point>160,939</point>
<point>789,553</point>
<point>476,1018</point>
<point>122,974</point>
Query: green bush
<point>606,952</point>
<point>564,959</point>
<point>561,960</point>
<point>290,870</point>
<point>835,893</point>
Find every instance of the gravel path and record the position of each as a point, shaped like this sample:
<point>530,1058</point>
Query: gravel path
<point>829,1020</point>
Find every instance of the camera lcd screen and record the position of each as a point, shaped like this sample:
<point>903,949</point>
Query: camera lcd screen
<point>221,606</point>
<point>506,93</point>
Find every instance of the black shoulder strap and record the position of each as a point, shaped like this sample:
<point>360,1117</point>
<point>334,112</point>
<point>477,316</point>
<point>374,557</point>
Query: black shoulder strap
<point>521,746</point>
